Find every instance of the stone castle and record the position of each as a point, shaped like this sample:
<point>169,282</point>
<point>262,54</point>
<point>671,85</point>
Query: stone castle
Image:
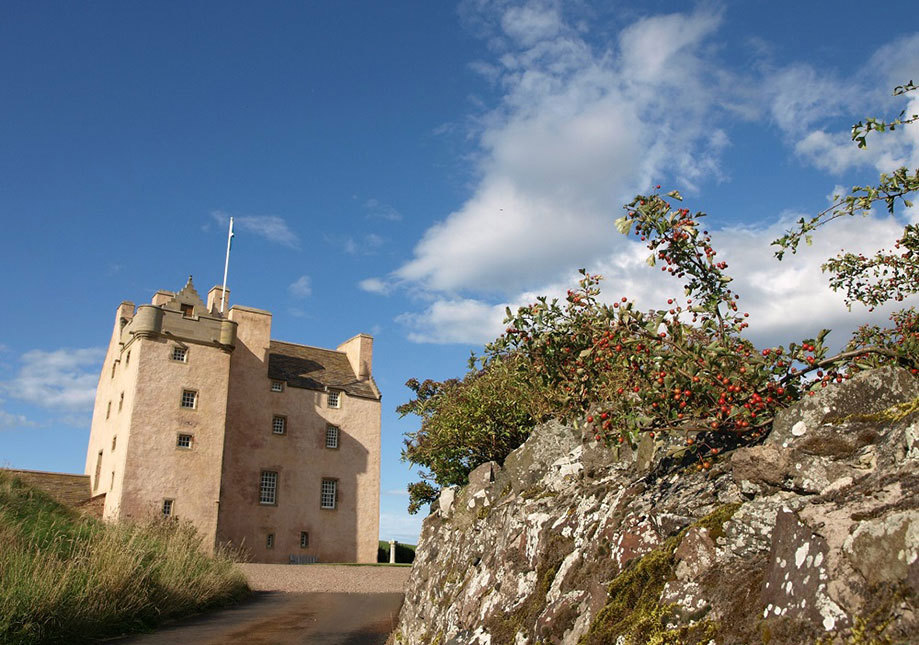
<point>270,445</point>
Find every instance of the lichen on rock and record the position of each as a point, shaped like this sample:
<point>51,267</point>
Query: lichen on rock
<point>810,536</point>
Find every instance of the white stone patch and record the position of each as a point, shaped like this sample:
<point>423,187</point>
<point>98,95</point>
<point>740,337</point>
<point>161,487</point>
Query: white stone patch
<point>801,554</point>
<point>829,610</point>
<point>521,639</point>
<point>839,484</point>
<point>482,637</point>
<point>555,591</point>
<point>818,559</point>
<point>534,528</point>
<point>526,584</point>
<point>799,428</point>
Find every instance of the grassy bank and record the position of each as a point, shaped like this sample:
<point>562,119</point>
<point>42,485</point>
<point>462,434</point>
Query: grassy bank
<point>65,578</point>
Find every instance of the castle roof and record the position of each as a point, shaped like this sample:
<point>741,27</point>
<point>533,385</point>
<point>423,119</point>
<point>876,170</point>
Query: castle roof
<point>315,368</point>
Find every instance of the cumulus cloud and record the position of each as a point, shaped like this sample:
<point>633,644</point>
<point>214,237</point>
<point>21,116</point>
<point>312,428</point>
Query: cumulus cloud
<point>578,130</point>
<point>302,287</point>
<point>375,285</point>
<point>787,300</point>
<point>581,127</point>
<point>63,379</point>
<point>271,227</point>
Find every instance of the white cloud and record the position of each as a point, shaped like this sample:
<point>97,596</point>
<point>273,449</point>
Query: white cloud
<point>380,210</point>
<point>63,379</point>
<point>454,321</point>
<point>11,420</point>
<point>301,287</point>
<point>375,285</point>
<point>787,300</point>
<point>400,526</point>
<point>271,227</point>
<point>367,244</point>
<point>581,128</point>
<point>577,132</point>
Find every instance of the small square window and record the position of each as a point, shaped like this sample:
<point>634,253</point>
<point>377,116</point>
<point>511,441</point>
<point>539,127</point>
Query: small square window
<point>269,541</point>
<point>277,386</point>
<point>279,425</point>
<point>167,507</point>
<point>184,441</point>
<point>179,354</point>
<point>331,436</point>
<point>304,539</point>
<point>268,487</point>
<point>189,399</point>
<point>334,400</point>
<point>188,310</point>
<point>329,493</point>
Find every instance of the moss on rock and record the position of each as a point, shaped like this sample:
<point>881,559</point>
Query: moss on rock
<point>634,610</point>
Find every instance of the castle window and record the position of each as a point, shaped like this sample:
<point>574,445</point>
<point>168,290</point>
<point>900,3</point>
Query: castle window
<point>184,441</point>
<point>277,386</point>
<point>127,359</point>
<point>188,310</point>
<point>268,488</point>
<point>121,402</point>
<point>279,425</point>
<point>269,541</point>
<point>108,410</point>
<point>167,507</point>
<point>329,493</point>
<point>304,539</point>
<point>331,436</point>
<point>189,399</point>
<point>334,400</point>
<point>179,354</point>
<point>98,470</point>
<point>114,365</point>
<point>114,441</point>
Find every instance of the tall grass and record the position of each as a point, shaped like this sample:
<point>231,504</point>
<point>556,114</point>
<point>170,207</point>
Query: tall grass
<point>65,578</point>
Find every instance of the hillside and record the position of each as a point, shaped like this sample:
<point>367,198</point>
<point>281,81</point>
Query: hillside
<point>68,578</point>
<point>808,536</point>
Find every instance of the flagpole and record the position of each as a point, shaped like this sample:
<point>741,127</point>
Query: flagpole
<point>226,266</point>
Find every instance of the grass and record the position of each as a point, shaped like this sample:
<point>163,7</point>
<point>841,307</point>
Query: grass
<point>66,578</point>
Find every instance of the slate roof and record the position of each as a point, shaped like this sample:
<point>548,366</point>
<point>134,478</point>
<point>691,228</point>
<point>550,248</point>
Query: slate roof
<point>314,368</point>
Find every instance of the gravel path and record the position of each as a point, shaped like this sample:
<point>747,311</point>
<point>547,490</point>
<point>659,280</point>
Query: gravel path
<point>326,578</point>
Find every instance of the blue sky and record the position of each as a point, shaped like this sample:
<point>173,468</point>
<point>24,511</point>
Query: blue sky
<point>409,169</point>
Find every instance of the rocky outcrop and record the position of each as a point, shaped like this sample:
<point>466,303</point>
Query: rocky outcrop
<point>810,536</point>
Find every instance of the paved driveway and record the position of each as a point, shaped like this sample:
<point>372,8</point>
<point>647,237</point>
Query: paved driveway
<point>306,604</point>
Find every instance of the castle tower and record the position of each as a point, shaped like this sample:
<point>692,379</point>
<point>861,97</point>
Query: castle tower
<point>157,438</point>
<point>266,444</point>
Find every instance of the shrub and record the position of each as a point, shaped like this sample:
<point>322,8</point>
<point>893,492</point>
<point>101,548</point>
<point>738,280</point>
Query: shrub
<point>467,422</point>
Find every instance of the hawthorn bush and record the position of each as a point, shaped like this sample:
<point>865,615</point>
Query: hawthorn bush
<point>621,372</point>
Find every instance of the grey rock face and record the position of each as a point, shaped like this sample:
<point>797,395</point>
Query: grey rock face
<point>804,537</point>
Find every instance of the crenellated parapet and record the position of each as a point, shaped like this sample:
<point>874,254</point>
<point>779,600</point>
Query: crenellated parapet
<point>183,317</point>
